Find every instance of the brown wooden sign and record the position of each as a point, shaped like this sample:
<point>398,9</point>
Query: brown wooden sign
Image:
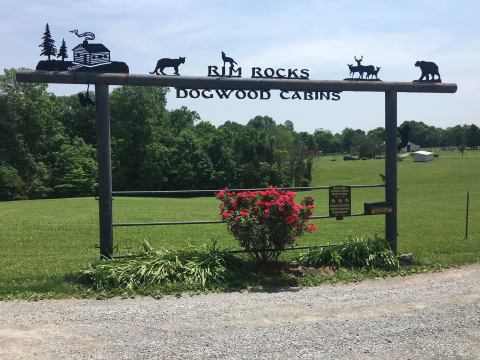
<point>376,208</point>
<point>339,201</point>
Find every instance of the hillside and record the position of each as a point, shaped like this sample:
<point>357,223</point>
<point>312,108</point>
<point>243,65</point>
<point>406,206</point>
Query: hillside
<point>41,241</point>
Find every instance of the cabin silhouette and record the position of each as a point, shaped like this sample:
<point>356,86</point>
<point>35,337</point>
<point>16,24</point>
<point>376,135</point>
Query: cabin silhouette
<point>91,54</point>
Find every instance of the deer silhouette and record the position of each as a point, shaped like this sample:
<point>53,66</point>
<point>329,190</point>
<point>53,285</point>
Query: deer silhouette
<point>374,72</point>
<point>359,61</point>
<point>227,59</point>
<point>369,70</point>
<point>353,69</point>
<point>361,68</point>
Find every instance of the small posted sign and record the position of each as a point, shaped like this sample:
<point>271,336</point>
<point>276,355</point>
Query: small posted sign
<point>376,208</point>
<point>339,201</point>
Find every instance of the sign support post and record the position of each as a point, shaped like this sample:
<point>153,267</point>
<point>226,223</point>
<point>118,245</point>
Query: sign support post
<point>104,171</point>
<point>391,167</point>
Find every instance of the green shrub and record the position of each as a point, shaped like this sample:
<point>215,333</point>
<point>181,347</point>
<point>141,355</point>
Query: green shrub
<point>197,268</point>
<point>370,253</point>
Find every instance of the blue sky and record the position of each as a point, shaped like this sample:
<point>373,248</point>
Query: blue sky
<point>322,36</point>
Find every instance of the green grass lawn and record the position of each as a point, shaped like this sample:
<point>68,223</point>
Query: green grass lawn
<point>42,241</point>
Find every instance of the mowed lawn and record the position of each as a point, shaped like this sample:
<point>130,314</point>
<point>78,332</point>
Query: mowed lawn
<point>43,241</point>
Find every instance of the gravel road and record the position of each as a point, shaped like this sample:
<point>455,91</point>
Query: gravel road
<point>426,316</point>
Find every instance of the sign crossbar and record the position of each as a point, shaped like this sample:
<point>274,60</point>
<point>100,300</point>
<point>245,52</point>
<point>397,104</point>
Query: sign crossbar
<point>204,82</point>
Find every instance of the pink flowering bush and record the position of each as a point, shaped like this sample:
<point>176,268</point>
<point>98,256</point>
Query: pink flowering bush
<point>265,222</point>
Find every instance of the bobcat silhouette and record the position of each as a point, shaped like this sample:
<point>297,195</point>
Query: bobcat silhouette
<point>167,62</point>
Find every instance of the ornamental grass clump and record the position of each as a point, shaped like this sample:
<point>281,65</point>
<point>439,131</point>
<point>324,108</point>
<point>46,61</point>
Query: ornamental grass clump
<point>197,268</point>
<point>265,222</point>
<point>359,253</point>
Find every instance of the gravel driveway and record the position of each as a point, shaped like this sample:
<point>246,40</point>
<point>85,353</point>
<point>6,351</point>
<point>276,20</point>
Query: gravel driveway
<point>427,316</point>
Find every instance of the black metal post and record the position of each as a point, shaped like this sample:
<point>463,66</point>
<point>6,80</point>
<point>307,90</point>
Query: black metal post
<point>104,171</point>
<point>466,216</point>
<point>391,167</point>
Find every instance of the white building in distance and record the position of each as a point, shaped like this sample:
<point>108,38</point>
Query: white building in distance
<point>422,156</point>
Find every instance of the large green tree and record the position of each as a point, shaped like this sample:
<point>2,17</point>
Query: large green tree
<point>473,136</point>
<point>30,134</point>
<point>75,169</point>
<point>136,114</point>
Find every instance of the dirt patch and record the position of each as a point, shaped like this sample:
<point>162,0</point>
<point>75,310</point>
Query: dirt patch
<point>278,268</point>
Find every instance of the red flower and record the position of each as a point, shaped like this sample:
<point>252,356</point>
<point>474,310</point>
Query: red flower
<point>311,227</point>
<point>308,200</point>
<point>289,220</point>
<point>221,193</point>
<point>244,213</point>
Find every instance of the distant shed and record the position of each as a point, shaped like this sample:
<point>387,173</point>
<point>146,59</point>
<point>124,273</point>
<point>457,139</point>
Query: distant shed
<point>422,156</point>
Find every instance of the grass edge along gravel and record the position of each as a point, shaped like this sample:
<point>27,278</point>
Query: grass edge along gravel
<point>207,268</point>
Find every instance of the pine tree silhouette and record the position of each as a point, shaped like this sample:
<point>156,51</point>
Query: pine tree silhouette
<point>62,52</point>
<point>48,44</point>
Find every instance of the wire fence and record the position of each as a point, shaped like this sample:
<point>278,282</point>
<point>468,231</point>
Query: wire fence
<point>203,192</point>
<point>192,193</point>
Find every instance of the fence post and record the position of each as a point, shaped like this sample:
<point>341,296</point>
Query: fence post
<point>104,171</point>
<point>466,215</point>
<point>391,167</point>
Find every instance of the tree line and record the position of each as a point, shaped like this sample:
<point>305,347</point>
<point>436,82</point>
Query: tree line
<point>369,144</point>
<point>48,145</point>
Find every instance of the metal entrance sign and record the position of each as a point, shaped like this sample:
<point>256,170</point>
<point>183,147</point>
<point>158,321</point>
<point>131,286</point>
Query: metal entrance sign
<point>102,82</point>
<point>339,201</point>
<point>231,69</point>
<point>91,61</point>
<point>256,94</point>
